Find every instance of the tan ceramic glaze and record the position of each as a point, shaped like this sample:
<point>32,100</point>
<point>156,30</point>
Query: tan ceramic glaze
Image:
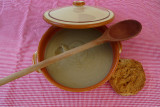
<point>41,53</point>
<point>78,16</point>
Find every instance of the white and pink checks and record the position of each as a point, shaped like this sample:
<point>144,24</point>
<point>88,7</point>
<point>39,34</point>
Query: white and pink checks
<point>22,26</point>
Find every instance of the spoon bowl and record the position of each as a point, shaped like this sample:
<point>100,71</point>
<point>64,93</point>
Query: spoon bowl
<point>125,30</point>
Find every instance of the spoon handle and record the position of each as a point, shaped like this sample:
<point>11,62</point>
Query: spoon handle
<point>49,61</point>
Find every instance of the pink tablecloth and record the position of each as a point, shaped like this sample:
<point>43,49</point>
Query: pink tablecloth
<point>22,26</point>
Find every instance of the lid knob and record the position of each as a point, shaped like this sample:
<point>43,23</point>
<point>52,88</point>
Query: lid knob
<point>78,3</point>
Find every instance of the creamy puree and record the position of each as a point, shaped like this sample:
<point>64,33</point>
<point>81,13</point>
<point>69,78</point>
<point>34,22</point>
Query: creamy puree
<point>83,69</point>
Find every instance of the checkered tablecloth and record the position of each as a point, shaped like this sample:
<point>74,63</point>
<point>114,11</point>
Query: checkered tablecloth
<point>21,28</point>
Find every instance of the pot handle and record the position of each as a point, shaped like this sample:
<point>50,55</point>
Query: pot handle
<point>34,61</point>
<point>120,46</point>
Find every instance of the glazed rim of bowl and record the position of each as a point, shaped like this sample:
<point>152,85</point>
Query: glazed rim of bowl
<point>42,46</point>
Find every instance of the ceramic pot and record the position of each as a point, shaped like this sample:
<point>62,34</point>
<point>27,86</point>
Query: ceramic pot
<point>39,56</point>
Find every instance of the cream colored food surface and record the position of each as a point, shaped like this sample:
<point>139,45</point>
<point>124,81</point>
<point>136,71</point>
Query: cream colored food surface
<point>83,69</point>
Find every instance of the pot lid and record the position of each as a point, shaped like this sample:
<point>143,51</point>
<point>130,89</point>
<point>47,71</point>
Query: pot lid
<point>78,16</point>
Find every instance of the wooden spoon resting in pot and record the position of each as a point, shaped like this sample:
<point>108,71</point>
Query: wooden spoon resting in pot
<point>123,30</point>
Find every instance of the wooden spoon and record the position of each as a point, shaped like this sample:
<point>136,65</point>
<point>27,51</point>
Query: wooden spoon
<point>118,32</point>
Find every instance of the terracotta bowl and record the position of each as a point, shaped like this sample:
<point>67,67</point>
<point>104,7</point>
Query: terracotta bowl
<point>39,56</point>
